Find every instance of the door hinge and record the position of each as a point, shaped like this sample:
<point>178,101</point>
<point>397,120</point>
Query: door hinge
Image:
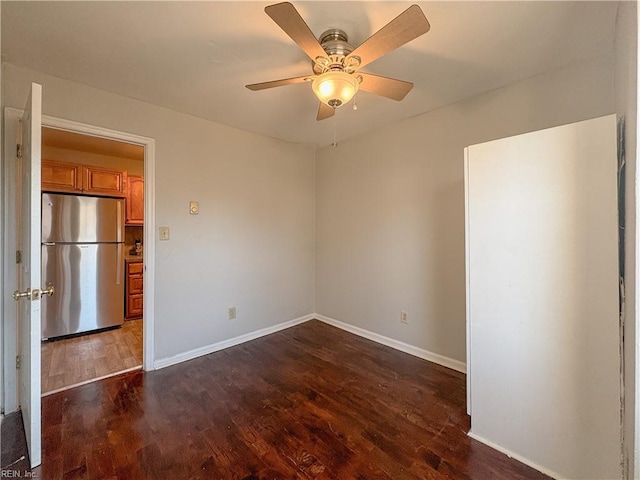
<point>18,256</point>
<point>19,150</point>
<point>18,362</point>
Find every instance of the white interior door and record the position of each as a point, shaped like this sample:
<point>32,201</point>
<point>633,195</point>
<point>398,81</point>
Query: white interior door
<point>542,259</point>
<point>28,293</point>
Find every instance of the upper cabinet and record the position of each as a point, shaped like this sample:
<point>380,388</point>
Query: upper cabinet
<point>75,178</point>
<point>103,181</point>
<point>135,200</point>
<point>61,176</point>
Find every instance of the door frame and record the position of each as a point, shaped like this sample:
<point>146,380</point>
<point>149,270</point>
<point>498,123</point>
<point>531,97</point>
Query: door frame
<point>9,399</point>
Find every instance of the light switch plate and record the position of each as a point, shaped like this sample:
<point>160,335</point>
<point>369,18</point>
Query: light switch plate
<point>194,208</point>
<point>163,233</point>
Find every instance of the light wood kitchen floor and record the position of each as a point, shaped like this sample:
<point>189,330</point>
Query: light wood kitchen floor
<point>78,360</point>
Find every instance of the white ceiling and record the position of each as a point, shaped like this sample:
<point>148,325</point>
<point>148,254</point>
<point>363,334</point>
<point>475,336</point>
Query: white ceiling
<point>196,57</point>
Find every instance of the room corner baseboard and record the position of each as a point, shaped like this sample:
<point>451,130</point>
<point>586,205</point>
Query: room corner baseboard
<point>517,457</point>
<point>398,345</point>
<point>389,342</point>
<point>214,347</point>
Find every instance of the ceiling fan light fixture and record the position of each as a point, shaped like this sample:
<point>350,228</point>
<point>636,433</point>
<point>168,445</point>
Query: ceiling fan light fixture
<point>335,88</point>
<point>336,64</point>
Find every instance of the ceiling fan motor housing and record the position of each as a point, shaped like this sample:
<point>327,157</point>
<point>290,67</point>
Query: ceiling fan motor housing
<point>335,42</point>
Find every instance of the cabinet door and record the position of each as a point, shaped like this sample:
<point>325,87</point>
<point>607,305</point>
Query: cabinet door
<point>135,285</point>
<point>134,306</point>
<point>135,268</point>
<point>61,176</point>
<point>103,181</point>
<point>134,290</point>
<point>135,200</point>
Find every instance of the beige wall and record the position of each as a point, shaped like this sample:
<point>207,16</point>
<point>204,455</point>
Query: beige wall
<point>389,228</point>
<point>390,211</point>
<point>251,246</point>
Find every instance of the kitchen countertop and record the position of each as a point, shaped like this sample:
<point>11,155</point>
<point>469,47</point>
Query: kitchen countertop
<point>133,258</point>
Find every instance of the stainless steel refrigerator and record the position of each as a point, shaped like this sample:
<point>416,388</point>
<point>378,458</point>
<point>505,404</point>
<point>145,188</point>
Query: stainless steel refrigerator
<point>83,257</point>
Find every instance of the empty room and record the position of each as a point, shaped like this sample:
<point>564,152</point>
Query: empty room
<point>320,240</point>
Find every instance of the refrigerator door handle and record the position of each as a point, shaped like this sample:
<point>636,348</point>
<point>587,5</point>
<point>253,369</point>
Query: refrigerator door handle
<point>120,220</point>
<point>48,244</point>
<point>120,263</point>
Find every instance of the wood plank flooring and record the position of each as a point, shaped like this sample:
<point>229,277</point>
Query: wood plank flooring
<point>310,402</point>
<point>13,447</point>
<point>79,359</point>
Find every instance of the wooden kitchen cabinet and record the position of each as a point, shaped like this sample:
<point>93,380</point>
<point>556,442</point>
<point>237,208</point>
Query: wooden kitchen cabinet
<point>103,181</point>
<point>76,178</point>
<point>61,176</point>
<point>134,288</point>
<point>135,200</point>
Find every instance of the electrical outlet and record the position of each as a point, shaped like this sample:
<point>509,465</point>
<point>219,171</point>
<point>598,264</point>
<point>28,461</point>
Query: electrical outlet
<point>404,316</point>
<point>232,313</point>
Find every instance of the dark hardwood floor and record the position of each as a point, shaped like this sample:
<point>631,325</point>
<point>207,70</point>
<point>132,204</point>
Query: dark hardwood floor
<point>310,402</point>
<point>13,447</point>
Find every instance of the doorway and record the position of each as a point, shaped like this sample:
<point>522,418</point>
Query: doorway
<point>9,384</point>
<point>79,167</point>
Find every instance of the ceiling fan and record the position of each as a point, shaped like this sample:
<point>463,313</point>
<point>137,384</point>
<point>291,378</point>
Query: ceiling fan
<point>336,64</point>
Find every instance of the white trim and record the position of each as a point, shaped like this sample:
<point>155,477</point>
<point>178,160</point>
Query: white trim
<point>149,242</point>
<point>91,380</point>
<point>214,347</point>
<point>10,402</point>
<point>467,276</point>
<point>86,129</point>
<point>517,457</point>
<point>149,218</point>
<point>9,311</point>
<point>398,345</point>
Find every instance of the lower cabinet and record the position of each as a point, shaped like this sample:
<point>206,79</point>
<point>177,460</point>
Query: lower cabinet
<point>133,303</point>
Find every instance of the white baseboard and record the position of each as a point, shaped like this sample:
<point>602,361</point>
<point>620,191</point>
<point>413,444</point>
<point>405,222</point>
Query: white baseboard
<point>398,345</point>
<point>517,457</point>
<point>390,342</point>
<point>214,347</point>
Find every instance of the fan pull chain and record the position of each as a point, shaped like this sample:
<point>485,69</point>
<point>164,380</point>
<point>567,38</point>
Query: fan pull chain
<point>335,142</point>
<point>355,105</point>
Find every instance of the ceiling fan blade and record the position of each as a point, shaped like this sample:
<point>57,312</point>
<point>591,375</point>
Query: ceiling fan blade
<point>325,111</point>
<point>289,20</point>
<point>280,83</point>
<point>405,27</point>
<point>384,86</point>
